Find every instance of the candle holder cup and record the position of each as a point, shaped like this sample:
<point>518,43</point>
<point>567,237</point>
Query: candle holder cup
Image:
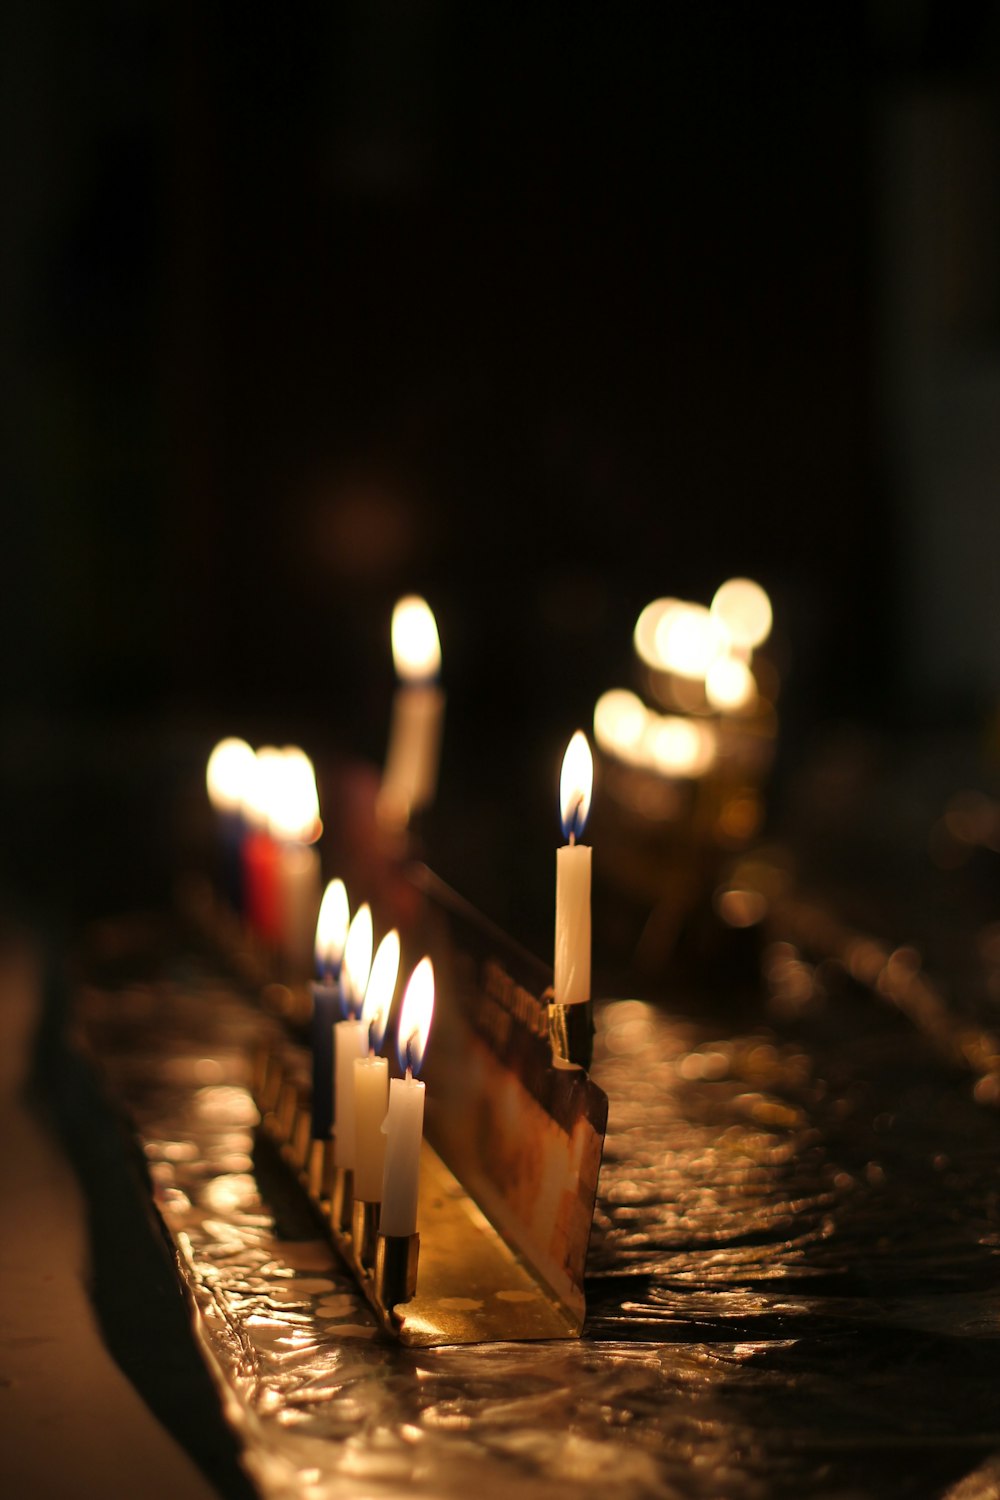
<point>396,1258</point>
<point>342,1202</point>
<point>364,1232</point>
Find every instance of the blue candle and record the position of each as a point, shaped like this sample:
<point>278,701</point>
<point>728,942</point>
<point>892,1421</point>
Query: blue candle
<point>331,934</point>
<point>229,773</point>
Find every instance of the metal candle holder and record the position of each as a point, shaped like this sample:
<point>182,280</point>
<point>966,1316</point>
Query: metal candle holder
<point>503,1230</point>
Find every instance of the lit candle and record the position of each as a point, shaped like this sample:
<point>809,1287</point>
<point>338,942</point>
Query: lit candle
<point>293,817</point>
<point>572,956</point>
<point>260,853</point>
<point>411,765</point>
<point>745,610</point>
<point>371,1074</point>
<point>351,1034</point>
<point>229,776</point>
<point>331,934</point>
<point>404,1122</point>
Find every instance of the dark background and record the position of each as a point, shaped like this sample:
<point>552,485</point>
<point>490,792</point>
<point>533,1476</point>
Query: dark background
<point>541,311</point>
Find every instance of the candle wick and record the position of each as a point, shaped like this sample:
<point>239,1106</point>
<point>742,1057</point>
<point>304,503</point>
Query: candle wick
<point>409,1073</point>
<point>572,838</point>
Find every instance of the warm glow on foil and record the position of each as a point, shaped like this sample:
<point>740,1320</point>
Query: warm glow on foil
<point>688,639</point>
<point>416,649</point>
<point>576,785</point>
<point>729,685</point>
<point>415,1016</point>
<point>745,610</point>
<point>357,960</point>
<point>620,719</point>
<point>381,987</point>
<point>644,635</point>
<point>229,774</point>
<point>331,927</point>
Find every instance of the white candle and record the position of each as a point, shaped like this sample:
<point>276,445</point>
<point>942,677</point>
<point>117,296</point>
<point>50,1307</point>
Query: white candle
<point>371,1074</point>
<point>404,1128</point>
<point>572,946</point>
<point>411,766</point>
<point>350,1037</point>
<point>371,1097</point>
<point>293,817</point>
<point>299,884</point>
<point>404,1122</point>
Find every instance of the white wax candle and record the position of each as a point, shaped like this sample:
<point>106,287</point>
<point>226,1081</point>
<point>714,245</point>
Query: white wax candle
<point>572,965</point>
<point>411,767</point>
<point>299,883</point>
<point>351,1042</point>
<point>403,1128</point>
<point>572,955</point>
<point>411,764</point>
<point>371,1094</point>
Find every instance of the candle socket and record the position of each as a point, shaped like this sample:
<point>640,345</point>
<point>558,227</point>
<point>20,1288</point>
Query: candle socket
<point>396,1257</point>
<point>342,1200</point>
<point>320,1171</point>
<point>364,1231</point>
<point>288,1099</point>
<point>571,1028</point>
<point>301,1141</point>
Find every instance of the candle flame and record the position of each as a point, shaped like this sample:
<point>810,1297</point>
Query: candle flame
<point>331,928</point>
<point>381,987</point>
<point>730,684</point>
<point>689,638</point>
<point>644,635</point>
<point>415,1017</point>
<point>679,747</point>
<point>260,792</point>
<point>293,800</point>
<point>576,785</point>
<point>357,960</point>
<point>416,649</point>
<point>229,774</point>
<point>745,611</point>
<point>620,719</point>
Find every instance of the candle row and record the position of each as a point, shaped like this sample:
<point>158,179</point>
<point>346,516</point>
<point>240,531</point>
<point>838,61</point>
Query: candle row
<point>269,817</point>
<point>377,1124</point>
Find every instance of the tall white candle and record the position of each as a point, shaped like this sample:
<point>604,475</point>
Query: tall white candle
<point>371,1074</point>
<point>293,817</point>
<point>404,1128</point>
<point>350,1039</point>
<point>404,1122</point>
<point>371,1097</point>
<point>331,935</point>
<point>299,885</point>
<point>350,1036</point>
<point>411,766</point>
<point>572,945</point>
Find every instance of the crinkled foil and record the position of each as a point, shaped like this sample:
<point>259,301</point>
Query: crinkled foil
<point>792,1286</point>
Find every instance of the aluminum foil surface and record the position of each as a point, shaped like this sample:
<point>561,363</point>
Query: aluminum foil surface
<point>792,1287</point>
